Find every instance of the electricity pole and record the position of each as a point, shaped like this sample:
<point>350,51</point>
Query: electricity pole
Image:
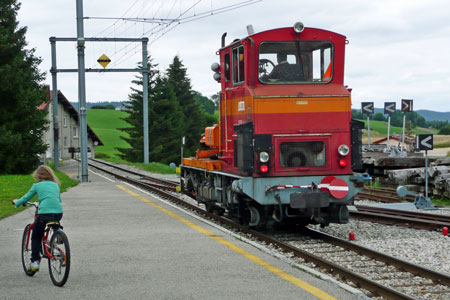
<point>82,92</point>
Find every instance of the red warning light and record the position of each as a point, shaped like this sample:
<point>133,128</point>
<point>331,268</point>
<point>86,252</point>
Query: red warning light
<point>342,163</point>
<point>264,169</point>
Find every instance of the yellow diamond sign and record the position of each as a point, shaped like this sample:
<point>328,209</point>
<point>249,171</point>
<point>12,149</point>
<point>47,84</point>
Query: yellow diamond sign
<point>104,60</point>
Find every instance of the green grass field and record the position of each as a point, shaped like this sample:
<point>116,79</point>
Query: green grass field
<point>381,128</point>
<point>105,123</point>
<point>15,186</point>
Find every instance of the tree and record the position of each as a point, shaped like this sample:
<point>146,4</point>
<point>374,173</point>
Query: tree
<point>135,118</point>
<point>445,130</point>
<point>205,102</point>
<point>378,117</point>
<point>21,92</point>
<point>408,127</point>
<point>166,129</point>
<point>195,119</point>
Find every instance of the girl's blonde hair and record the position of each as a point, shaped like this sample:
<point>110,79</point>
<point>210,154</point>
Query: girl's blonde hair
<point>45,173</point>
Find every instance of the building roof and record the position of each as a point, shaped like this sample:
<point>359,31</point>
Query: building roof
<point>408,140</point>
<point>72,112</point>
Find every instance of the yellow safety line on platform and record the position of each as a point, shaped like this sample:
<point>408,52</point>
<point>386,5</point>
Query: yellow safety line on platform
<point>294,280</point>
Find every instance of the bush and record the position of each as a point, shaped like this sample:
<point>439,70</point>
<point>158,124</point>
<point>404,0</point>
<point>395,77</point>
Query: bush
<point>445,130</point>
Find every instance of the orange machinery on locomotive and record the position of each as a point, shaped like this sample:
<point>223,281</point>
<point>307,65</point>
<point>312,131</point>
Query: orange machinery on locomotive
<point>284,123</point>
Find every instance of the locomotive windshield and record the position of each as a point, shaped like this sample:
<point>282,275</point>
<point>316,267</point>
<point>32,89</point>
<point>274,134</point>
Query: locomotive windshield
<point>293,62</point>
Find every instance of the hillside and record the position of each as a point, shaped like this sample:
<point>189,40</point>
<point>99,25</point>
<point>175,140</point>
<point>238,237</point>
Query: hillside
<point>380,127</point>
<point>89,105</point>
<point>429,115</point>
<point>105,122</point>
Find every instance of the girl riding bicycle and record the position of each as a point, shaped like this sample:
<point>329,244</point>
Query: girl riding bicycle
<point>50,208</point>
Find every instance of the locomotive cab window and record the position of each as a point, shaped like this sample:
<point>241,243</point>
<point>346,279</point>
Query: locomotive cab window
<point>238,65</point>
<point>293,62</point>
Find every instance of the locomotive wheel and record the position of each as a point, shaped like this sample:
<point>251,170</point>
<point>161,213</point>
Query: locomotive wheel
<point>258,217</point>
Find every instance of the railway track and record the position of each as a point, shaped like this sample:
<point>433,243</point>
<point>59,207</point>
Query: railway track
<point>401,217</point>
<point>376,272</point>
<point>382,195</point>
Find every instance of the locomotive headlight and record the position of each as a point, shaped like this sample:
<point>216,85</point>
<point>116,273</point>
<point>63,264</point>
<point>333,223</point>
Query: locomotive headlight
<point>298,27</point>
<point>264,156</point>
<point>343,150</point>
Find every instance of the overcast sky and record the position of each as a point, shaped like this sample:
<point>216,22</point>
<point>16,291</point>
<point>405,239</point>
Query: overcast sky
<point>397,49</point>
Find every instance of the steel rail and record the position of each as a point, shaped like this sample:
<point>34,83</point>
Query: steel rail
<point>361,281</point>
<point>382,198</point>
<point>406,213</point>
<point>160,181</point>
<point>387,192</point>
<point>386,217</point>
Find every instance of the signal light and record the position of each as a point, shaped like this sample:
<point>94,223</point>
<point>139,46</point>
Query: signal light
<point>264,168</point>
<point>342,163</point>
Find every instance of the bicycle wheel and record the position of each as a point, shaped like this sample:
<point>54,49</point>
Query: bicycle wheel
<point>59,265</point>
<point>26,252</point>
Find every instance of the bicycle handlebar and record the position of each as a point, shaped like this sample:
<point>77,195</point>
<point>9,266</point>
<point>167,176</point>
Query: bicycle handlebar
<point>35,204</point>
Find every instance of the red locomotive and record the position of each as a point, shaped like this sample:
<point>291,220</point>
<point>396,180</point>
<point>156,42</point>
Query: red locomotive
<point>285,148</point>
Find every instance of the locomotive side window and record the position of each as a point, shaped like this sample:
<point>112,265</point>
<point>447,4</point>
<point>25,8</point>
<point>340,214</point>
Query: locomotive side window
<point>238,64</point>
<point>227,67</point>
<point>293,62</point>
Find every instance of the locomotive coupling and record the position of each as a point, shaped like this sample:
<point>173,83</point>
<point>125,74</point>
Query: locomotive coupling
<point>360,179</point>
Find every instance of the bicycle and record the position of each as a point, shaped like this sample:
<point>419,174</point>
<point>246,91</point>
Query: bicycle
<point>55,247</point>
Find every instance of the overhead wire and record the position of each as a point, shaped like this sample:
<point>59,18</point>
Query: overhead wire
<point>158,30</point>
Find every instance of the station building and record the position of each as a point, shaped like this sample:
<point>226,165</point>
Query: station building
<point>68,132</point>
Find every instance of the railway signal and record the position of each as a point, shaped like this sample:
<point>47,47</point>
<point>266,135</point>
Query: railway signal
<point>407,106</point>
<point>389,108</point>
<point>368,109</point>
<point>425,142</point>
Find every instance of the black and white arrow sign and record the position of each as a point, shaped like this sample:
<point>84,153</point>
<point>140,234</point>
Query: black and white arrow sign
<point>389,108</point>
<point>367,108</point>
<point>407,105</point>
<point>424,141</point>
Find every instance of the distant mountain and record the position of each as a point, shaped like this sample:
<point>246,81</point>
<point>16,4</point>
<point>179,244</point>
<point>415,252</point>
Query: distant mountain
<point>89,105</point>
<point>429,115</point>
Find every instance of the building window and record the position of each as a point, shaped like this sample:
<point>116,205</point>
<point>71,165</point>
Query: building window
<point>65,122</point>
<point>75,131</point>
<point>65,141</point>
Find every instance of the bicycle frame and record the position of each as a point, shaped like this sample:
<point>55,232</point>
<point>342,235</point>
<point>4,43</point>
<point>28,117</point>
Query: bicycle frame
<point>54,247</point>
<point>45,239</point>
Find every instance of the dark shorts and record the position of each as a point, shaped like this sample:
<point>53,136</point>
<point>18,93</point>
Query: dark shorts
<point>38,232</point>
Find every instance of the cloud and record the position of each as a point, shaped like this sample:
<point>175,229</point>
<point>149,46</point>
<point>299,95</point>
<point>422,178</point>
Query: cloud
<point>397,49</point>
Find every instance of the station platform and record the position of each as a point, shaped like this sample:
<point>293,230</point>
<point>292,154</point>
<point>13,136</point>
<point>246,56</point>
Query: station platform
<point>127,244</point>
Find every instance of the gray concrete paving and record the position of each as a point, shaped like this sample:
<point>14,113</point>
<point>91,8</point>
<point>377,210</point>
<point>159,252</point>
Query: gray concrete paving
<point>124,248</point>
